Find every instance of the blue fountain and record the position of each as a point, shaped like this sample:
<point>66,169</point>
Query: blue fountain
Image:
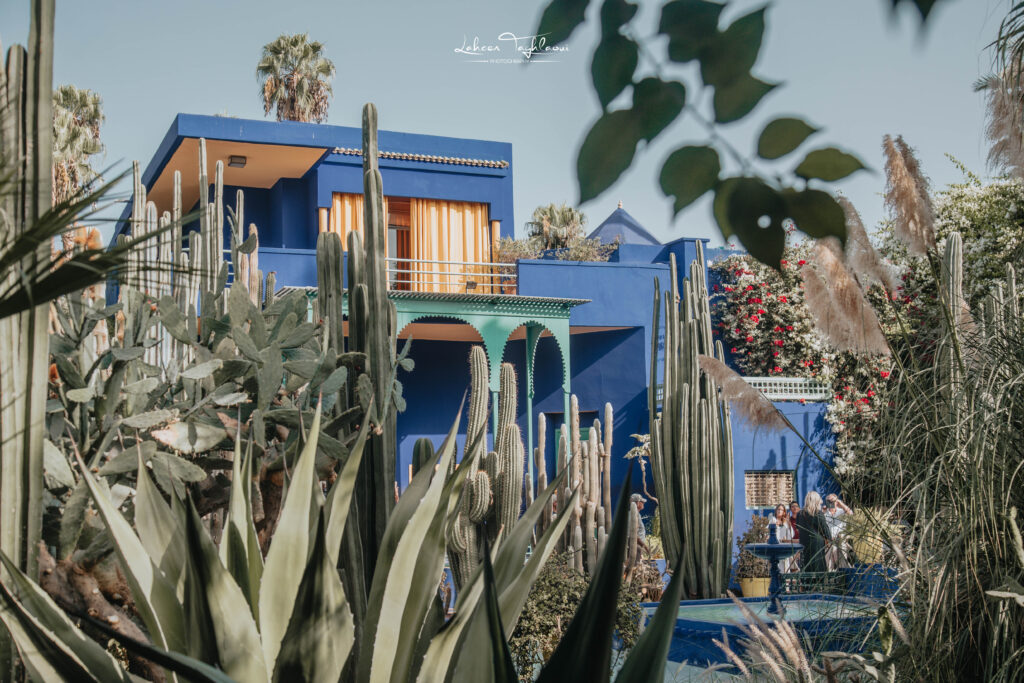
<point>774,552</point>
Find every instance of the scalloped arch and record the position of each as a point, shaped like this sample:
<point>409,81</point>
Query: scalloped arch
<point>558,342</point>
<point>464,320</point>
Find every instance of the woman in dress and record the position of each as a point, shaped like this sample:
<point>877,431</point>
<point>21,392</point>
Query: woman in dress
<point>785,532</point>
<point>814,533</point>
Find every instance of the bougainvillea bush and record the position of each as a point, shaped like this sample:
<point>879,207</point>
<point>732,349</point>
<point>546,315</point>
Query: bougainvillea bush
<point>763,322</point>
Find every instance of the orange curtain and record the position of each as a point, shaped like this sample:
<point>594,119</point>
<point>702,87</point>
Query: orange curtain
<point>345,216</point>
<point>443,232</point>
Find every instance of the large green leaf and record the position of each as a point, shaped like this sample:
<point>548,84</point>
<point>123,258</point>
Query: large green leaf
<point>656,104</point>
<point>289,549</point>
<point>176,435</point>
<point>741,206</point>
<point>816,213</point>
<point>736,99</point>
<point>409,567</point>
<point>584,652</point>
<point>615,59</point>
<point>155,596</point>
<point>782,136</point>
<point>607,152</point>
<point>560,19</point>
<point>646,661</point>
<point>239,651</point>
<point>52,647</point>
<point>829,164</point>
<point>690,26</point>
<point>688,173</point>
<point>321,631</point>
<point>733,53</point>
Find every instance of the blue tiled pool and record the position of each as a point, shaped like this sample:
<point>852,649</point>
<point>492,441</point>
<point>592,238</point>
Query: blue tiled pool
<point>828,621</point>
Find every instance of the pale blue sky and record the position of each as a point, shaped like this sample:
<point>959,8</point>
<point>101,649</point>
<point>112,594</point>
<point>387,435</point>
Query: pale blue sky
<point>848,66</point>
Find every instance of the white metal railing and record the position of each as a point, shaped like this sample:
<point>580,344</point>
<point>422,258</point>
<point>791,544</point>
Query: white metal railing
<point>473,277</point>
<point>779,389</point>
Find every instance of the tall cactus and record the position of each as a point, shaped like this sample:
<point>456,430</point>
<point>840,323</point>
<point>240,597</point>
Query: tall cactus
<point>495,486</point>
<point>26,87</point>
<point>691,439</point>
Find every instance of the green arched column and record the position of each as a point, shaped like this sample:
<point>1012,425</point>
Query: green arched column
<point>495,317</point>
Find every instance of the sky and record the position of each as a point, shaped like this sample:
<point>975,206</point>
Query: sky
<point>852,67</point>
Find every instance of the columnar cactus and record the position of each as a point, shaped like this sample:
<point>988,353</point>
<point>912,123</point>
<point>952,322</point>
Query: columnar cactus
<point>494,495</point>
<point>691,439</point>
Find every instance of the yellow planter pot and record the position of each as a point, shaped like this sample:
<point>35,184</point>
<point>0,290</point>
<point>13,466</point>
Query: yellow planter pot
<point>755,588</point>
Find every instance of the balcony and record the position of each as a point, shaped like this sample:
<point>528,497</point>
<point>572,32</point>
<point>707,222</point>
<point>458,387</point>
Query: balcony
<point>452,277</point>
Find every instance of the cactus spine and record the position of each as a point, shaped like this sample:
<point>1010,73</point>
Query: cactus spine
<point>691,440</point>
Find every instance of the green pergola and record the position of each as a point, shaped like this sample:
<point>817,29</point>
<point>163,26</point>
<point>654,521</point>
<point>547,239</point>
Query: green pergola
<point>495,317</point>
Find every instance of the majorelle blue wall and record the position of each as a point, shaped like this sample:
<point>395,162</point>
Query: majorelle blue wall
<point>286,214</point>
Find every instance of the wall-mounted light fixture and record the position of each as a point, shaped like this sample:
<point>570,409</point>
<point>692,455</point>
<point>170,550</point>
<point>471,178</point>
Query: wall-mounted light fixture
<point>236,161</point>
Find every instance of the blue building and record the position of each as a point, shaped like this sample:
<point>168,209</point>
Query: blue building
<point>569,327</point>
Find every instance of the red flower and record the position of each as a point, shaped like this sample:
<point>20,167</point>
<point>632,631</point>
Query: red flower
<point>884,374</point>
<point>775,353</point>
<point>733,349</point>
<point>755,318</point>
<point>777,329</point>
<point>760,311</point>
<point>777,369</point>
<point>749,339</point>
<point>784,262</point>
<point>728,288</point>
<point>738,330</point>
<point>870,393</point>
<point>715,288</point>
<point>789,328</point>
<point>801,262</point>
<point>782,299</point>
<point>750,287</point>
<point>778,342</point>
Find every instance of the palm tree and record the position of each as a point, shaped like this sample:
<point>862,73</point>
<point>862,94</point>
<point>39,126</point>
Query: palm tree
<point>295,78</point>
<point>556,227</point>
<point>77,116</point>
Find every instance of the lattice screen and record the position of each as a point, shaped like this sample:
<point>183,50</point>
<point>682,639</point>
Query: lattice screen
<point>766,489</point>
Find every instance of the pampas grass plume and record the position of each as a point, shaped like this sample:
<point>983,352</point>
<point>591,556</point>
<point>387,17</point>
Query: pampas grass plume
<point>840,311</point>
<point>751,404</point>
<point>906,197</point>
<point>1003,111</point>
<point>861,256</point>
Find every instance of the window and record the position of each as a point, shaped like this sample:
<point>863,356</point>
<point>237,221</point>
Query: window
<point>767,488</point>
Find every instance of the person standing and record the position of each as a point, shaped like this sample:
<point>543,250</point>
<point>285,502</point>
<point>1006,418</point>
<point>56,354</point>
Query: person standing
<point>834,510</point>
<point>794,510</point>
<point>785,532</point>
<point>814,533</point>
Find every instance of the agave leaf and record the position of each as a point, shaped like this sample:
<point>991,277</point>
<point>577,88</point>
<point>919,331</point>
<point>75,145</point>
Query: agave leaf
<point>321,631</point>
<point>502,668</point>
<point>339,498</point>
<point>159,530</point>
<point>442,651</point>
<point>240,547</point>
<point>51,646</point>
<point>585,651</point>
<point>646,661</point>
<point>190,669</point>
<point>410,561</point>
<point>513,597</point>
<point>238,642</point>
<point>289,550</point>
<point>155,595</point>
<point>513,579</point>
